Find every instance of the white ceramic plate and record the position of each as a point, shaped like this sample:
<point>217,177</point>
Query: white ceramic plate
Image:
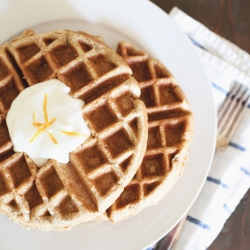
<point>148,27</point>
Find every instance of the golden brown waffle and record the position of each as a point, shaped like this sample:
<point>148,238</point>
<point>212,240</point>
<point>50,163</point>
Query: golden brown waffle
<point>59,196</point>
<point>169,132</point>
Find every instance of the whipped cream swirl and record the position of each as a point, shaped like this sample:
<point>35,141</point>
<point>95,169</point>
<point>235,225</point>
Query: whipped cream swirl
<point>45,122</point>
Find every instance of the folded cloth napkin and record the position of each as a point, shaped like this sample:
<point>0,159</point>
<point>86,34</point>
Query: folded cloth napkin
<point>229,176</point>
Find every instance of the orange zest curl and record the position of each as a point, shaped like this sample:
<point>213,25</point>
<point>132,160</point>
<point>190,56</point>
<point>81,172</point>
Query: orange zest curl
<point>72,133</point>
<point>52,138</point>
<point>43,126</point>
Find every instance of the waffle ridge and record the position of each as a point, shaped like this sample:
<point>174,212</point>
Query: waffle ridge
<point>10,82</point>
<point>59,196</point>
<point>170,129</point>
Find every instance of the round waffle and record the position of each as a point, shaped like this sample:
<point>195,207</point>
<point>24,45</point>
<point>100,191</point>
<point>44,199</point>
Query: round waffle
<point>170,128</point>
<point>59,196</point>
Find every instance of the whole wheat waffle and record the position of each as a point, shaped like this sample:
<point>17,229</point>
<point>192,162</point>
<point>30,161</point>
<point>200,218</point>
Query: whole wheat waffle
<point>59,196</point>
<point>170,130</point>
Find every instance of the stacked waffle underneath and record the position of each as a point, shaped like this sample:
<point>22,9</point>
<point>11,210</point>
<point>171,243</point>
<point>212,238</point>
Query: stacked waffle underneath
<point>170,130</point>
<point>59,196</point>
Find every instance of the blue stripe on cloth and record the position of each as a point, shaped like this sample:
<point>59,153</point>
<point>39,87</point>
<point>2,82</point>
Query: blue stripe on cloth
<point>227,208</point>
<point>150,248</point>
<point>198,223</point>
<point>245,171</point>
<point>197,44</point>
<point>216,181</point>
<point>237,146</point>
<point>216,86</point>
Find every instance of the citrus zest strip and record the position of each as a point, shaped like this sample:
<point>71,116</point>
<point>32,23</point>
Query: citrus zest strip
<point>72,133</point>
<point>42,126</point>
<point>52,138</point>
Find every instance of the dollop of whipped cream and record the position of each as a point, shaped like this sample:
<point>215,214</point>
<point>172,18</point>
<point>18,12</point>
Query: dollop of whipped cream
<point>45,122</point>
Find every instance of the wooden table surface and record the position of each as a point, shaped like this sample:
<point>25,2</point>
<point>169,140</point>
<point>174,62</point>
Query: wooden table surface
<point>231,20</point>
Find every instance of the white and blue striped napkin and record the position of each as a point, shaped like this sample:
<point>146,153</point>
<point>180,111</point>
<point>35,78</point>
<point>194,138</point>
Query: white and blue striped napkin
<point>229,177</point>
